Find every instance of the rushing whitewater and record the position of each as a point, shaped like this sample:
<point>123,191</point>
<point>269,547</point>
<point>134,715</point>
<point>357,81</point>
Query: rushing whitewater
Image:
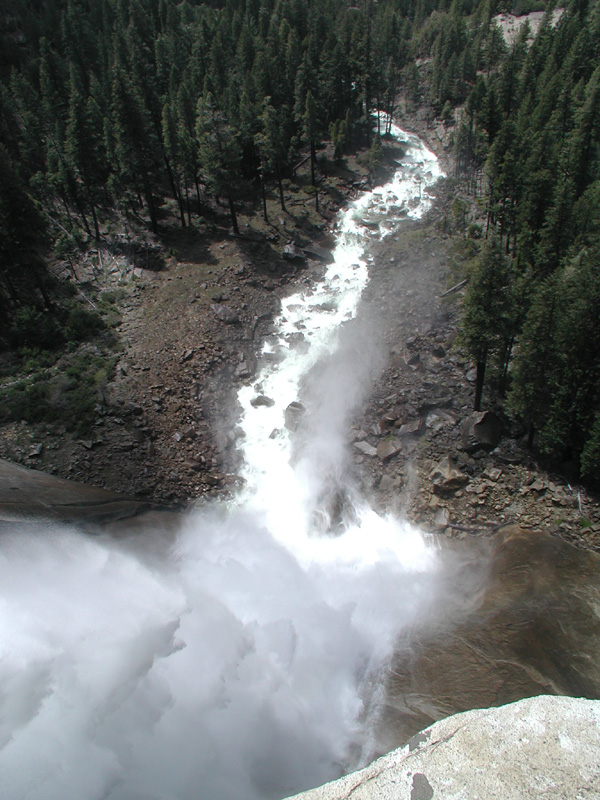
<point>245,658</point>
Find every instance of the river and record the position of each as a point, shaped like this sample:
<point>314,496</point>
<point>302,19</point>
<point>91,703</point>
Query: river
<point>247,658</point>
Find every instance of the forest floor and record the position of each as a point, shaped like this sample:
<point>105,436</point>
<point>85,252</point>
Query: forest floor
<point>189,333</point>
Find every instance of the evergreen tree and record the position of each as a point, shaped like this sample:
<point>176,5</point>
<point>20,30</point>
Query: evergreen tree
<point>486,313</point>
<point>219,153</point>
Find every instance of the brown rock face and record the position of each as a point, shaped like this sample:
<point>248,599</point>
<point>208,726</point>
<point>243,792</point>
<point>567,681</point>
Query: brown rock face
<point>28,494</point>
<point>535,631</point>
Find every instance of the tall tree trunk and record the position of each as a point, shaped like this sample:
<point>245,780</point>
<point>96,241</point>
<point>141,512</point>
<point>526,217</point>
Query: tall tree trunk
<point>180,204</point>
<point>41,286</point>
<point>187,205</point>
<point>95,218</point>
<point>11,289</point>
<point>505,364</point>
<point>79,205</point>
<point>479,385</point>
<point>170,174</point>
<point>150,202</point>
<point>234,221</point>
<point>264,198</point>
<point>280,184</point>
<point>197,185</point>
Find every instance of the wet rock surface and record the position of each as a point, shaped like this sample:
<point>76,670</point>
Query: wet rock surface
<point>533,628</point>
<point>27,494</point>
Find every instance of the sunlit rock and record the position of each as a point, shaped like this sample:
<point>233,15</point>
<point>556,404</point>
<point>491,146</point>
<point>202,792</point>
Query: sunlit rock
<point>366,449</point>
<point>540,747</point>
<point>388,448</point>
<point>446,478</point>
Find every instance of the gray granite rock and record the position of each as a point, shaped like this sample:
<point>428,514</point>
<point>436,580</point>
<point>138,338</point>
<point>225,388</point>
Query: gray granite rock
<point>539,747</point>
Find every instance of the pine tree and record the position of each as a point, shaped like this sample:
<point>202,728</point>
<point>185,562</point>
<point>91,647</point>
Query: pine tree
<point>486,312</point>
<point>219,153</point>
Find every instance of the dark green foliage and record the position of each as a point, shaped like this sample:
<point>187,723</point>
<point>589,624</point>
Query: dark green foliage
<point>125,103</point>
<point>556,385</point>
<point>532,119</point>
<point>488,311</point>
<point>67,394</point>
<point>151,106</point>
<point>39,329</point>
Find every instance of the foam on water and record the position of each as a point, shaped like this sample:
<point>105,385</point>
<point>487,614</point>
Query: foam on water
<point>246,660</point>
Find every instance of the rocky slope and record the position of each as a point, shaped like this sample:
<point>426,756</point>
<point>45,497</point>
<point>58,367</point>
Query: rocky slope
<point>165,429</point>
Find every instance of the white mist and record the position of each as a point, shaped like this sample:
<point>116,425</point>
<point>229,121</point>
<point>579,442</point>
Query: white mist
<point>246,660</point>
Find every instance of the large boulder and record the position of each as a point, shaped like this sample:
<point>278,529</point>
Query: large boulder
<point>446,478</point>
<point>482,430</point>
<point>293,414</point>
<point>539,747</point>
<point>319,253</point>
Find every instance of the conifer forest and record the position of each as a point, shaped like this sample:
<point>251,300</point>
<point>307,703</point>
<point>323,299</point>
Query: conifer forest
<point>115,108</point>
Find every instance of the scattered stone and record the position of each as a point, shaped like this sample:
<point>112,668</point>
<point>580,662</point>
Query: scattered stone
<point>415,428</point>
<point>226,314</point>
<point>388,448</point>
<point>446,478</point>
<point>244,371</point>
<point>319,253</point>
<point>386,483</point>
<point>192,464</point>
<point>388,420</point>
<point>366,449</point>
<point>293,253</point>
<point>262,400</point>
<point>493,473</point>
<point>413,359</point>
<point>36,450</point>
<point>187,355</point>
<point>293,414</point>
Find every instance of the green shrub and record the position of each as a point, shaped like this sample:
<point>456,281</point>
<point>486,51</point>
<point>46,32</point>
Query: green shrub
<point>68,396</point>
<point>36,329</point>
<point>82,325</point>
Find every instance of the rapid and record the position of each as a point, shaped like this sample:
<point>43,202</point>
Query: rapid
<point>246,657</point>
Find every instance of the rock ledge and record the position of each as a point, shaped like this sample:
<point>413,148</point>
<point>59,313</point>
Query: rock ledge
<point>539,747</point>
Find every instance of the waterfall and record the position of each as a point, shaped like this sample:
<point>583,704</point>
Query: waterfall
<point>246,658</point>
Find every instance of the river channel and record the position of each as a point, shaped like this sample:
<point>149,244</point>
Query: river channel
<point>246,659</point>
